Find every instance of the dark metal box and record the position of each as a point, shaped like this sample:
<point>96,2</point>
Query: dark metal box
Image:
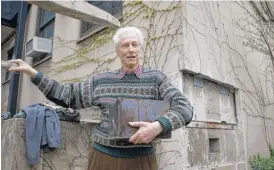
<point>130,110</point>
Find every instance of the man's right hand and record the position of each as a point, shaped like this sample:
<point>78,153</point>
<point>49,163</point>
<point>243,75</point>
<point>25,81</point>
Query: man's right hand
<point>23,67</point>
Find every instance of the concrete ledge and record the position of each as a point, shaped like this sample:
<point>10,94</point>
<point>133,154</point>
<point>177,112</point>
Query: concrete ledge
<point>211,125</point>
<point>72,155</point>
<point>80,10</point>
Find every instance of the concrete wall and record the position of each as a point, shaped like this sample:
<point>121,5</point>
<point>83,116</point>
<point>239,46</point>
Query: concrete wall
<point>72,155</point>
<point>184,38</point>
<point>215,46</point>
<point>192,151</point>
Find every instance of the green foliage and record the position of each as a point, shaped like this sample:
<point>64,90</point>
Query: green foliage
<point>261,163</point>
<point>271,149</point>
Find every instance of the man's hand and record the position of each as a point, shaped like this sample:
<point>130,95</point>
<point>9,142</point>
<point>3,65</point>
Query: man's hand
<point>146,133</point>
<point>24,67</point>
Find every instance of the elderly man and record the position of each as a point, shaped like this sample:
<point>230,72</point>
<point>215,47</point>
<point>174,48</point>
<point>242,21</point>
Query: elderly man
<point>131,81</point>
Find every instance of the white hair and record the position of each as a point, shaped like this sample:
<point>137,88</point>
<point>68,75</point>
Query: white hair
<point>131,31</point>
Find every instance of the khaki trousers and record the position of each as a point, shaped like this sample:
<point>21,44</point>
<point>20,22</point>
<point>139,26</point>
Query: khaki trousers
<point>101,161</point>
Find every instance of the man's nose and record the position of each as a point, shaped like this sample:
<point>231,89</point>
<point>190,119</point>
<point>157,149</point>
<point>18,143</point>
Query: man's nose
<point>130,48</point>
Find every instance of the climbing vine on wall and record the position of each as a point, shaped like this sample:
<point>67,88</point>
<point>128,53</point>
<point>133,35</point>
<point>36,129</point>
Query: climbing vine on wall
<point>160,23</point>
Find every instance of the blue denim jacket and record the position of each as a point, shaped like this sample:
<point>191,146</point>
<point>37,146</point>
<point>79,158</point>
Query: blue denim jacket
<point>42,127</point>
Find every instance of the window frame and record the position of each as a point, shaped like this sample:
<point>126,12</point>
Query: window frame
<point>91,31</point>
<point>39,28</point>
<point>45,24</point>
<point>224,89</point>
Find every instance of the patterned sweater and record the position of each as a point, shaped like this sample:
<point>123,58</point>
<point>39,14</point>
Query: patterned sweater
<point>103,89</point>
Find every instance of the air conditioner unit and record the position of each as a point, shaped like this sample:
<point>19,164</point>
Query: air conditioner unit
<point>38,47</point>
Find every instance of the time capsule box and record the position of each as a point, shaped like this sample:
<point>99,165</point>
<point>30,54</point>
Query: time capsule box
<point>130,110</point>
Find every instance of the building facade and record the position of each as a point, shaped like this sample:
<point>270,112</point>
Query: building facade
<point>219,54</point>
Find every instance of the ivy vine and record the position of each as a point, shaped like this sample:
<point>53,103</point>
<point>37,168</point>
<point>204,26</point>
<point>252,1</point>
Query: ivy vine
<point>132,10</point>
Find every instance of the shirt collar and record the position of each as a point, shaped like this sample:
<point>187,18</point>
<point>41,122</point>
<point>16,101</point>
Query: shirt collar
<point>137,71</point>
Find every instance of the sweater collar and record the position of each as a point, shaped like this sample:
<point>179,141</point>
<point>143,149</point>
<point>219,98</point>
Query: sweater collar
<point>137,72</point>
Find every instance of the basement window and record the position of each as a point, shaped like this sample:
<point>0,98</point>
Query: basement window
<point>214,145</point>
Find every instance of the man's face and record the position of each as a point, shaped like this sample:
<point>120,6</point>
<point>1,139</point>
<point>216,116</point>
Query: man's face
<point>129,51</point>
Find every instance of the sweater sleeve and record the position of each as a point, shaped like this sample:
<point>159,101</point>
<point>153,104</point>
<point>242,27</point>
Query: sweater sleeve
<point>180,112</point>
<point>74,95</point>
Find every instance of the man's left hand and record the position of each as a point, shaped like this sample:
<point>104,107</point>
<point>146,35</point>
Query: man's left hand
<point>146,133</point>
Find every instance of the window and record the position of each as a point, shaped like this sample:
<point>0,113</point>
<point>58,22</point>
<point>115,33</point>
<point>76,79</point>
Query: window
<point>112,7</point>
<point>10,53</point>
<point>212,100</point>
<point>46,23</point>
<point>45,28</point>
<point>214,145</point>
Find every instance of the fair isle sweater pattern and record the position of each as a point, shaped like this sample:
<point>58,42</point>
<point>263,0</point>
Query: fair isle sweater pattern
<point>105,88</point>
